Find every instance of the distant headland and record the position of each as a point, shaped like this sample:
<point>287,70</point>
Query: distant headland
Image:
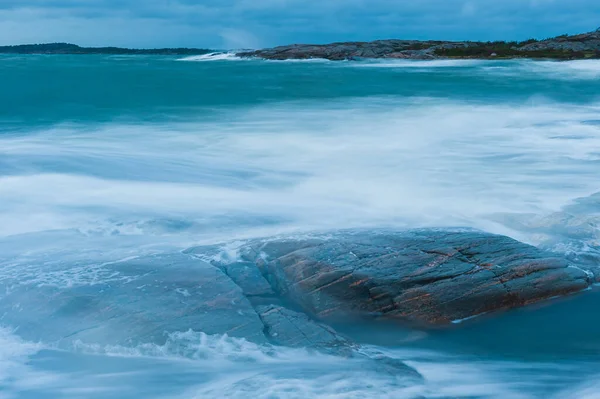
<point>565,47</point>
<point>67,48</point>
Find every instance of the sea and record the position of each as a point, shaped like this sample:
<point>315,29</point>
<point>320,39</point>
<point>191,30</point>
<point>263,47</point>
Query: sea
<point>105,159</point>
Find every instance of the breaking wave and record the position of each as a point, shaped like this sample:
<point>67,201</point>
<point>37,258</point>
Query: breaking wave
<point>293,168</point>
<point>219,56</point>
<point>194,365</point>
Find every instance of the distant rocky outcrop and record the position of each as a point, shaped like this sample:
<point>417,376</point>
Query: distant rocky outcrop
<point>581,46</point>
<point>411,49</point>
<point>67,48</point>
<point>578,43</point>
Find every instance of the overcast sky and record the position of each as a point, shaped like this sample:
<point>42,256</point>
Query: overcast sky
<point>260,23</point>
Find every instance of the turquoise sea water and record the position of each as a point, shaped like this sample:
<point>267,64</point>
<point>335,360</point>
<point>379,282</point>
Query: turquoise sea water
<point>106,159</point>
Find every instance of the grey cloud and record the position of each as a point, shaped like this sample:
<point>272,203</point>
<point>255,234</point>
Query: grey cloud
<point>220,23</point>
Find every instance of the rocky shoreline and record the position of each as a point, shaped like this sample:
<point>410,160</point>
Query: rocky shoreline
<point>582,46</point>
<point>289,291</point>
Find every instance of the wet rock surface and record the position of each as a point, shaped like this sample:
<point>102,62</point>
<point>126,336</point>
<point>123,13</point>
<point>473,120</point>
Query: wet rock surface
<point>289,328</point>
<point>178,292</point>
<point>288,291</point>
<point>426,277</point>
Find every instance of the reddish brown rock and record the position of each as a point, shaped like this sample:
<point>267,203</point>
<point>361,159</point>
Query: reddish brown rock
<point>430,277</point>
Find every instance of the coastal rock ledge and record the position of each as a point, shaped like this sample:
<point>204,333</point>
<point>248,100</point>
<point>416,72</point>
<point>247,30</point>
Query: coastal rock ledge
<point>290,291</point>
<point>427,277</point>
<point>565,47</point>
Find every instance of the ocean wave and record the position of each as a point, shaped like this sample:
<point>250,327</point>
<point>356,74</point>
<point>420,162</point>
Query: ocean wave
<point>192,345</point>
<point>194,365</point>
<point>233,57</point>
<point>419,64</point>
<point>576,70</point>
<point>353,384</point>
<point>103,222</point>
<point>590,389</point>
<point>555,70</point>
<point>264,370</point>
<point>308,61</point>
<point>297,167</point>
<point>15,372</point>
<point>212,57</point>
<point>191,365</point>
<point>564,70</point>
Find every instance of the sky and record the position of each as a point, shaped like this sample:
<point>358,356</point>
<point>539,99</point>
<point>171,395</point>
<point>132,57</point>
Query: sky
<point>234,24</point>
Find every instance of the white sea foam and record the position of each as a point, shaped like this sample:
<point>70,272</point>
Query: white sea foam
<point>308,60</point>
<point>75,198</point>
<point>15,373</point>
<point>459,321</point>
<point>355,384</point>
<point>212,57</point>
<point>560,70</point>
<point>444,376</point>
<point>554,70</point>
<point>192,345</point>
<point>420,64</point>
<point>297,167</point>
<point>587,390</point>
<point>195,365</point>
<point>566,70</point>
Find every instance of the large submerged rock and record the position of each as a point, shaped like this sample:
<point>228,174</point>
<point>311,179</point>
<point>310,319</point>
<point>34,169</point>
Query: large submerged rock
<point>427,277</point>
<point>286,291</point>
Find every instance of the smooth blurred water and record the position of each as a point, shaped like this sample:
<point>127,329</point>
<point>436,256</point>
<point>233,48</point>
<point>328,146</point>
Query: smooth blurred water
<point>111,158</point>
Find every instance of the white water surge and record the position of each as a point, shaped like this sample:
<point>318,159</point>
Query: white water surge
<point>82,197</point>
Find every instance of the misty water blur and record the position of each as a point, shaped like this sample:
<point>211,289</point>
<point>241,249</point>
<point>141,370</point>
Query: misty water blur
<point>175,154</point>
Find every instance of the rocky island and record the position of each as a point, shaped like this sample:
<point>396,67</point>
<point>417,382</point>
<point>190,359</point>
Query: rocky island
<point>67,48</point>
<point>565,47</point>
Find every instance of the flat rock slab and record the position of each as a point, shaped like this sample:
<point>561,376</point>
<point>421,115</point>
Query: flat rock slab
<point>138,301</point>
<point>430,277</point>
<point>289,328</point>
